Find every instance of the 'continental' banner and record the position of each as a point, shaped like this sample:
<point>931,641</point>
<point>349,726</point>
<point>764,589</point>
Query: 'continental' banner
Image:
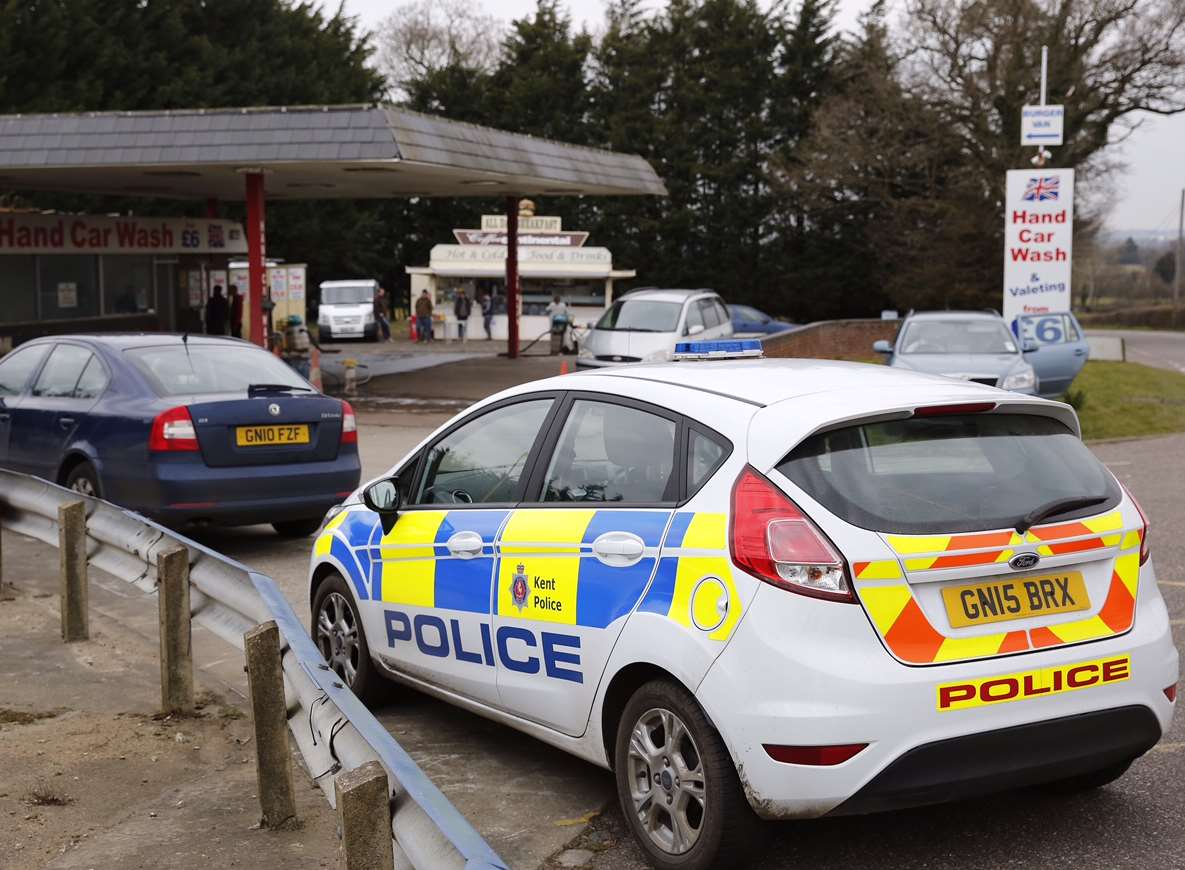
<point>92,234</point>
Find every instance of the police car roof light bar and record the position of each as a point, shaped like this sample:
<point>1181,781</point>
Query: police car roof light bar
<point>746,348</point>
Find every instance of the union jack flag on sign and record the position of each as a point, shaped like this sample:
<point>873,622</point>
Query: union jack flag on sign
<point>1041,189</point>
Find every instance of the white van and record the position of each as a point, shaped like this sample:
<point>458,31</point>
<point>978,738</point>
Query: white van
<point>347,309</point>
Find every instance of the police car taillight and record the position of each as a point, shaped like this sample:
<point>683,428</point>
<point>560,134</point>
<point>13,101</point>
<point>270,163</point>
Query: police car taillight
<point>349,425</point>
<point>172,431</point>
<point>1144,554</point>
<point>771,538</point>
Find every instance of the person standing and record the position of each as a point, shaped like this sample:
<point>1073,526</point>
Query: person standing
<point>380,313</point>
<point>236,311</point>
<point>487,314</point>
<point>560,320</point>
<point>462,308</point>
<point>216,312</point>
<point>424,317</point>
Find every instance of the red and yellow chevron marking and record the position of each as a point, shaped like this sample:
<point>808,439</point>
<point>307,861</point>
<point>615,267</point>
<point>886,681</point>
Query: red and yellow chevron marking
<point>938,552</point>
<point>911,638</point>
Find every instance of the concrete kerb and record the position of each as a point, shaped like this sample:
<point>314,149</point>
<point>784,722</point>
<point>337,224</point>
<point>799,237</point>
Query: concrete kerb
<point>333,730</point>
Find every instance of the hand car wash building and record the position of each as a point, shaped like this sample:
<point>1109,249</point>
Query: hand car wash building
<point>87,273</point>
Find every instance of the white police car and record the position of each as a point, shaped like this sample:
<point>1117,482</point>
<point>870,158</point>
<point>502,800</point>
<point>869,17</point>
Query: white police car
<point>775,588</point>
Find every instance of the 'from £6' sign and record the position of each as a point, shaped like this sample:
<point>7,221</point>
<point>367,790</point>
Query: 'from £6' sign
<point>1038,242</point>
<point>191,237</point>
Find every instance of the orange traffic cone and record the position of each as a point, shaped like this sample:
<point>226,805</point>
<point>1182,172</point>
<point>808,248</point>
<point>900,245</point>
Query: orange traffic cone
<point>563,367</point>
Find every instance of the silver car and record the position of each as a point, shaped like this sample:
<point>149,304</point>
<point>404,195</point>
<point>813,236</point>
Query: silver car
<point>645,325</point>
<point>970,345</point>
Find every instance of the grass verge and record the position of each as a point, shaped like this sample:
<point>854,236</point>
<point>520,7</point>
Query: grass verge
<point>1128,400</point>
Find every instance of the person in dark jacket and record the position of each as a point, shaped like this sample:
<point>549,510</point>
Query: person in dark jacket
<point>424,317</point>
<point>236,311</point>
<point>381,312</point>
<point>487,314</point>
<point>216,312</point>
<point>462,307</point>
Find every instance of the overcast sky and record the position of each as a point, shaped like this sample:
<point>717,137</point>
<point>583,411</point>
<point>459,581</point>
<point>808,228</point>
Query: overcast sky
<point>1146,195</point>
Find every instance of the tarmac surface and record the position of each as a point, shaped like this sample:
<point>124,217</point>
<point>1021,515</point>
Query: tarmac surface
<point>1163,349</point>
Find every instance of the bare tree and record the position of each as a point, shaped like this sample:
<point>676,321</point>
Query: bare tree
<point>423,37</point>
<point>978,63</point>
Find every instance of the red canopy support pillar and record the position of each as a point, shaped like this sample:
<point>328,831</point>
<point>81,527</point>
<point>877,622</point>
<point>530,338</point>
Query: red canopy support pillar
<point>256,257</point>
<point>512,277</point>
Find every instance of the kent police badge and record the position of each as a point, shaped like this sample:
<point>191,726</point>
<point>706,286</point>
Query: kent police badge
<point>518,587</point>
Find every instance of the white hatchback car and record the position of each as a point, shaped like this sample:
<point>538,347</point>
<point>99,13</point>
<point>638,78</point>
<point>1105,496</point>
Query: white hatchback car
<point>645,326</point>
<point>763,588</point>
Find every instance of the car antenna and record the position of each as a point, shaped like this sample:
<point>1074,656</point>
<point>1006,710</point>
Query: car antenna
<point>185,344</point>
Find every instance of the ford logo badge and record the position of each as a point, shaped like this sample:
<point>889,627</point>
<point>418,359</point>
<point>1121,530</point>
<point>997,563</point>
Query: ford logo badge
<point>1021,561</point>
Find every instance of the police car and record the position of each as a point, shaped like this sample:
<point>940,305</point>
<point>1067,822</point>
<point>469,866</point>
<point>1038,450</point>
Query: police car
<point>763,588</point>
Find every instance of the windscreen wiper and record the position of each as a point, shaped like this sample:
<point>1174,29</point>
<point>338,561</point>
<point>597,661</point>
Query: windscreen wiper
<point>257,389</point>
<point>1055,507</point>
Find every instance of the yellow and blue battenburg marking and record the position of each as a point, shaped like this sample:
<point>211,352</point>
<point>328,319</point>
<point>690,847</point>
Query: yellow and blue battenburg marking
<point>696,547</point>
<point>417,569</point>
<point>547,553</point>
<point>551,550</point>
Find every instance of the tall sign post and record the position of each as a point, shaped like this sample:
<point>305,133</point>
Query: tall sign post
<point>256,257</point>
<point>512,207</point>
<point>1038,219</point>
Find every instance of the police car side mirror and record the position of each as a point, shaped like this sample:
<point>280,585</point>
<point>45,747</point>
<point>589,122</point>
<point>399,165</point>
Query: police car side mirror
<point>1029,346</point>
<point>382,497</point>
<point>695,329</point>
<point>882,346</point>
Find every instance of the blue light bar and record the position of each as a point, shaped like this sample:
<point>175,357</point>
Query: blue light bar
<point>747,348</point>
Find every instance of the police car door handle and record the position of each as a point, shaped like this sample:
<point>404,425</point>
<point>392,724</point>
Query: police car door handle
<point>620,549</point>
<point>465,545</point>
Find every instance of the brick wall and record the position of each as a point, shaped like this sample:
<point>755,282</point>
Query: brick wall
<point>832,339</point>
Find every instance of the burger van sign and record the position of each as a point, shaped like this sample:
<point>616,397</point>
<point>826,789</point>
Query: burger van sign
<point>1038,239</point>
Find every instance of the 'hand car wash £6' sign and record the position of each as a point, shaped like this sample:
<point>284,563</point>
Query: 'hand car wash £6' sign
<point>1038,241</point>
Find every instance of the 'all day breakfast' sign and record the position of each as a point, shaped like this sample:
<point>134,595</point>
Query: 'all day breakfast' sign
<point>1038,242</point>
<point>93,234</point>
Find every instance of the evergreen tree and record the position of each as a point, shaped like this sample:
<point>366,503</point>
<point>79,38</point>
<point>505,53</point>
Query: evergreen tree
<point>540,85</point>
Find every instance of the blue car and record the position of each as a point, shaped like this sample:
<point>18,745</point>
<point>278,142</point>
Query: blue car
<point>183,429</point>
<point>748,319</point>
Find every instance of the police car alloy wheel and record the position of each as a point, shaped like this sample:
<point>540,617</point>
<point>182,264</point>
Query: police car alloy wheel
<point>341,638</point>
<point>677,785</point>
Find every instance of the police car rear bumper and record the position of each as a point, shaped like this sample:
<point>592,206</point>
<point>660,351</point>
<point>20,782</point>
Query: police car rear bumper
<point>801,672</point>
<point>1007,758</point>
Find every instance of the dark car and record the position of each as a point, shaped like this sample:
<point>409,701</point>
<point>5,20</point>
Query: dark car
<point>183,429</point>
<point>748,319</point>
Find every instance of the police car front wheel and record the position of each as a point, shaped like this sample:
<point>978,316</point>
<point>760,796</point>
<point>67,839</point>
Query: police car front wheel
<point>342,640</point>
<point>677,785</point>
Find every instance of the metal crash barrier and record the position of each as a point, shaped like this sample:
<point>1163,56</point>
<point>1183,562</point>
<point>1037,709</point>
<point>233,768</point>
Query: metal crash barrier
<point>333,730</point>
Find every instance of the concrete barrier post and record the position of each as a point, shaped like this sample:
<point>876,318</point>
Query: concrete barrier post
<point>176,650</point>
<point>364,814</point>
<point>273,765</point>
<point>72,560</point>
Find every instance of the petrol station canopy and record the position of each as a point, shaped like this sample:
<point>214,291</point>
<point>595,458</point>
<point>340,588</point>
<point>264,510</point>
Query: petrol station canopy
<point>308,152</point>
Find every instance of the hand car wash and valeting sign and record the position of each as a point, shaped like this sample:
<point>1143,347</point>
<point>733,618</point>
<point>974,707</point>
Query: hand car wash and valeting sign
<point>1038,237</point>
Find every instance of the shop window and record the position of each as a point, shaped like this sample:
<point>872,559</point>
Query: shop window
<point>18,288</point>
<point>69,286</point>
<point>127,285</point>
